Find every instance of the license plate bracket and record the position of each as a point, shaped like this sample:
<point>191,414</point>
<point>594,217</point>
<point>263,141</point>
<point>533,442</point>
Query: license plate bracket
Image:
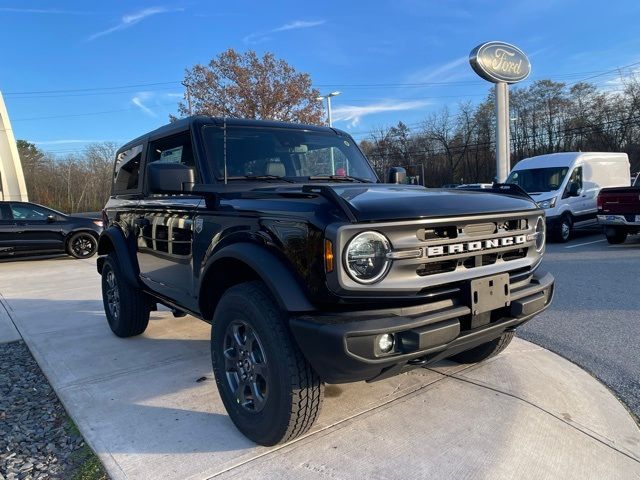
<point>490,293</point>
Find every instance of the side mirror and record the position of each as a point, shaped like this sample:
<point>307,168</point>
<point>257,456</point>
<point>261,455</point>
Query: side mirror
<point>51,218</point>
<point>397,175</point>
<point>574,190</point>
<point>169,177</point>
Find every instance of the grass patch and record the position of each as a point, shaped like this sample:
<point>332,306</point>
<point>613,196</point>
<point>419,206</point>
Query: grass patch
<point>85,464</point>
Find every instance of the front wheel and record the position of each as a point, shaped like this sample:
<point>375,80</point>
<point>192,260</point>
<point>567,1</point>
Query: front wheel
<point>615,236</point>
<point>270,391</point>
<point>486,350</point>
<point>82,245</point>
<point>565,229</point>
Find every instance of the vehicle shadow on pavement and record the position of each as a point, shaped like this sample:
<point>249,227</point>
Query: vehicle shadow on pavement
<point>56,256</point>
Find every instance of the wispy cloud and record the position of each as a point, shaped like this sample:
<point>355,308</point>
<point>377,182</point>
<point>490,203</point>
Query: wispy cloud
<point>46,11</point>
<point>149,102</point>
<point>259,37</point>
<point>354,113</point>
<point>139,101</point>
<point>444,73</point>
<point>131,19</point>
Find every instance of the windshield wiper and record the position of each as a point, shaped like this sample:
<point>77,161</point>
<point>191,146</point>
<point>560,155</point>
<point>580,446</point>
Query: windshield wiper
<point>339,178</point>
<point>261,177</point>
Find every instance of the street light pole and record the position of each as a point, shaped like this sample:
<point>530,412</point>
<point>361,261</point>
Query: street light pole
<point>328,98</point>
<point>330,119</point>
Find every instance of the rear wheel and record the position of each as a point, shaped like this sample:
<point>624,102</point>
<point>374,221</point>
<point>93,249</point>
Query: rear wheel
<point>127,308</point>
<point>615,235</point>
<point>486,350</point>
<point>82,245</point>
<point>270,391</point>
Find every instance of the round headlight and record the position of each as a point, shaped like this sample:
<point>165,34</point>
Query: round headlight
<point>540,234</point>
<point>366,257</point>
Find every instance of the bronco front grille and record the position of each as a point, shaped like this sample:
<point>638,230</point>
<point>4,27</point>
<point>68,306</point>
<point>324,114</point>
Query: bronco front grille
<point>433,252</point>
<point>485,244</point>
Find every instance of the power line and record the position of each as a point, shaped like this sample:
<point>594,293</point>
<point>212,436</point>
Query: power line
<point>90,89</point>
<point>596,73</point>
<point>85,114</point>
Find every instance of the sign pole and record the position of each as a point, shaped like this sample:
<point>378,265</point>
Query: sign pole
<point>503,152</point>
<point>501,63</point>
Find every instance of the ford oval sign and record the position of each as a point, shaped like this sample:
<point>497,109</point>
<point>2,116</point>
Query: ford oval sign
<point>500,62</point>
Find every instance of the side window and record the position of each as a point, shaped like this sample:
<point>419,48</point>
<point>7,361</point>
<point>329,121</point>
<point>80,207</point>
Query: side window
<point>576,177</point>
<point>23,211</point>
<point>175,149</point>
<point>127,170</point>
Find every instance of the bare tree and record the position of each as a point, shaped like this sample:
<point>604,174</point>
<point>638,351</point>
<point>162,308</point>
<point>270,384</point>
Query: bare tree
<point>73,183</point>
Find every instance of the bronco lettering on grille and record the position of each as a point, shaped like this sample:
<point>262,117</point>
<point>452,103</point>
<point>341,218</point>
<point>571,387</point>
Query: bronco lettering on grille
<point>476,246</point>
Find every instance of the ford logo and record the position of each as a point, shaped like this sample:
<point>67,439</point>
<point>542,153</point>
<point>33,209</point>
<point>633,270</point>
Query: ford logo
<point>500,62</point>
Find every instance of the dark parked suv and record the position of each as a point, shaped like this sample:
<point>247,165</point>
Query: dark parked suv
<point>308,268</point>
<point>31,229</point>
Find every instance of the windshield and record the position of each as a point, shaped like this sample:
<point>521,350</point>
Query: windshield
<point>538,180</point>
<point>284,153</point>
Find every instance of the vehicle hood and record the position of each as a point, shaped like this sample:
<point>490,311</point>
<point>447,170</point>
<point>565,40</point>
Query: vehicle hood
<point>538,197</point>
<point>376,202</point>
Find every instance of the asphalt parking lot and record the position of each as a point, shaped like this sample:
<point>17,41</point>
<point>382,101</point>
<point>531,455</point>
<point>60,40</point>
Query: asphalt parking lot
<point>595,318</point>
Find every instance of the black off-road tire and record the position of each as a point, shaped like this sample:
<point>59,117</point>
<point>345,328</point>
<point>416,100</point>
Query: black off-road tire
<point>82,245</point>
<point>293,392</point>
<point>615,236</point>
<point>486,350</point>
<point>126,307</point>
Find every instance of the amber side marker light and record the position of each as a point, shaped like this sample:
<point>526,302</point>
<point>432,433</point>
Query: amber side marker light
<point>328,255</point>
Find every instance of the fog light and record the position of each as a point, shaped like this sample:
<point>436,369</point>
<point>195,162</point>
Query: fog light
<point>386,342</point>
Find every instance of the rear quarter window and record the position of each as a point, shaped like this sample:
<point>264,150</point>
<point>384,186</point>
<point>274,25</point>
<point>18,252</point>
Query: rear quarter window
<point>126,174</point>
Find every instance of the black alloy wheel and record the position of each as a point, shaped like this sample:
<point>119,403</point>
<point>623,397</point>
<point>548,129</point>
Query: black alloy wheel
<point>112,294</point>
<point>246,369</point>
<point>82,245</point>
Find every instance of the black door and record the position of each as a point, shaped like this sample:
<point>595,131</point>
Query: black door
<point>165,227</point>
<point>8,231</point>
<point>38,229</point>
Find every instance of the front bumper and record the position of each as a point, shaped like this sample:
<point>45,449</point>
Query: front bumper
<point>553,222</point>
<point>341,346</point>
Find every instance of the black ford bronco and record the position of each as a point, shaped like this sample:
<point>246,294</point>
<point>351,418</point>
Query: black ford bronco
<point>310,269</point>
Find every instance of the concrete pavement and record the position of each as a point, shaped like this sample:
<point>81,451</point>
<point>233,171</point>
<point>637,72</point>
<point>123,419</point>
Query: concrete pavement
<point>149,407</point>
<point>595,318</point>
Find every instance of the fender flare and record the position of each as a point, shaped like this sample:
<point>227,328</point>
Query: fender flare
<point>279,279</point>
<point>112,239</point>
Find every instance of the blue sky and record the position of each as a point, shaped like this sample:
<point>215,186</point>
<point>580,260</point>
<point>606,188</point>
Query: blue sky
<point>392,60</point>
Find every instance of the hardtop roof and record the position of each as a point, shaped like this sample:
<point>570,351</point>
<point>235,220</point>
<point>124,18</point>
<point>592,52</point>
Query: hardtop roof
<point>196,121</point>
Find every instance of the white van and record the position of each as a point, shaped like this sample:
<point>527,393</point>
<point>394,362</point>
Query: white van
<point>566,185</point>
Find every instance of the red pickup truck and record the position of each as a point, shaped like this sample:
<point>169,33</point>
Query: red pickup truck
<point>619,211</point>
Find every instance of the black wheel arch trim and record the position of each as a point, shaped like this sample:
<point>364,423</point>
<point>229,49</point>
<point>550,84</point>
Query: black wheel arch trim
<point>112,239</point>
<point>281,282</point>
